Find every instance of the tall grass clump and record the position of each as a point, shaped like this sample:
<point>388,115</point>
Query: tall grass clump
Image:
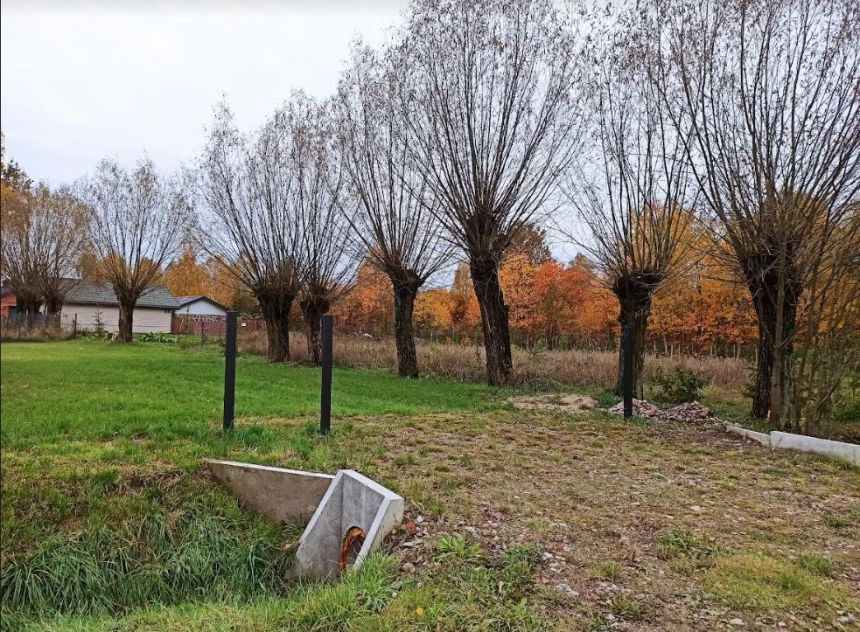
<point>105,570</point>
<point>539,368</point>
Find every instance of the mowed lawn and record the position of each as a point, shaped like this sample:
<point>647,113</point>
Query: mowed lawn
<point>92,389</point>
<point>516,520</point>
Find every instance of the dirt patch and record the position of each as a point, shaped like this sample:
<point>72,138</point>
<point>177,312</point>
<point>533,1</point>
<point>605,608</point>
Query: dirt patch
<point>630,519</point>
<point>560,403</point>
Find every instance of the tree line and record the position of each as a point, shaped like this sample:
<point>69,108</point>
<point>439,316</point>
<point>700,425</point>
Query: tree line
<point>654,138</point>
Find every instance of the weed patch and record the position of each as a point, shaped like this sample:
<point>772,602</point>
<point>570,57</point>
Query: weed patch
<point>755,581</point>
<point>105,570</point>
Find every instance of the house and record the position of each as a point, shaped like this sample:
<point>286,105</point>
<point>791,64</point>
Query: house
<point>8,300</point>
<point>94,305</point>
<point>200,306</point>
<point>199,315</point>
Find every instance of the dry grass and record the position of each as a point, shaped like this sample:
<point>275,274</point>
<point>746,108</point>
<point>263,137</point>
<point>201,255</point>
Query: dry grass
<point>589,369</point>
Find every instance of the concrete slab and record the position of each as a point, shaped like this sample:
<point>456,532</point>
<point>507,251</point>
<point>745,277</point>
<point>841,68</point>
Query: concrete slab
<point>759,437</point>
<point>847,451</point>
<point>352,502</point>
<point>276,493</point>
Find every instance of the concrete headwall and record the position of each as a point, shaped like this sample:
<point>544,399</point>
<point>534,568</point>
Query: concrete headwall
<point>275,493</point>
<point>784,440</point>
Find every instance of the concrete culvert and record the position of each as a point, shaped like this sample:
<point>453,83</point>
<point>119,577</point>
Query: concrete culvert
<point>351,547</point>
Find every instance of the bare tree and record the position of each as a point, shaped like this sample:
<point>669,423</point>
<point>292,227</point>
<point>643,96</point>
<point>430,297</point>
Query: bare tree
<point>393,223</point>
<point>44,232</point>
<point>325,260</point>
<point>17,252</point>
<point>770,93</point>
<point>828,335</point>
<point>630,188</point>
<point>139,219</point>
<point>60,233</point>
<point>247,220</point>
<point>489,108</point>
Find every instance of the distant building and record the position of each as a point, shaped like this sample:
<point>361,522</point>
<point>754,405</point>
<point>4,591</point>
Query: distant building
<point>199,306</point>
<point>8,300</point>
<point>94,305</point>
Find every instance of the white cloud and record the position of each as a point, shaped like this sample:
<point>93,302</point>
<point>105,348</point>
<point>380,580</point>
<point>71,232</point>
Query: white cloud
<point>81,82</point>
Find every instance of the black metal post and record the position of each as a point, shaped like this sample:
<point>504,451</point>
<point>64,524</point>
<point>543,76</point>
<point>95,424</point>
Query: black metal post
<point>327,326</point>
<point>230,370</point>
<point>628,337</point>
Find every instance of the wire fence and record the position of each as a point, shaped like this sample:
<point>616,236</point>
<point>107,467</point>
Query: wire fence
<point>37,326</point>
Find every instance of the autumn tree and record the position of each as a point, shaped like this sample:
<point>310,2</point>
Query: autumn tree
<point>185,276</point>
<point>43,232</point>
<point>368,306</point>
<point>11,173</point>
<point>766,94</point>
<point>247,217</point>
<point>630,192</point>
<point>139,219</point>
<point>16,256</point>
<point>489,106</point>
<point>394,224</point>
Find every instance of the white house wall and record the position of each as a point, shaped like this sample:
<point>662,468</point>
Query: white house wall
<point>201,308</point>
<point>145,320</point>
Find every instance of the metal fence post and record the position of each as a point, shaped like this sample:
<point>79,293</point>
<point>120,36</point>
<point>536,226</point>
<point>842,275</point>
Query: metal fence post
<point>230,370</point>
<point>628,338</point>
<point>327,326</point>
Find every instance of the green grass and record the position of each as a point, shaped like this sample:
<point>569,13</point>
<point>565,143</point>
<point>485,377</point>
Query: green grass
<point>487,596</point>
<point>755,581</point>
<point>92,389</point>
<point>109,521</point>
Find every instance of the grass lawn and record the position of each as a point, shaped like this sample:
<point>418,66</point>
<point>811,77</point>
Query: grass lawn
<point>522,520</point>
<point>88,389</point>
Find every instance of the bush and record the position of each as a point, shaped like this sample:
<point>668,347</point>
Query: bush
<point>682,385</point>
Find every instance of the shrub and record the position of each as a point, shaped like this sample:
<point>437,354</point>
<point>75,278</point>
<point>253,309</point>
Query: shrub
<point>681,385</point>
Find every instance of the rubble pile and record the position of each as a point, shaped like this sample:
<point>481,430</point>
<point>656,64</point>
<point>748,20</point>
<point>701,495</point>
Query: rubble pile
<point>692,412</point>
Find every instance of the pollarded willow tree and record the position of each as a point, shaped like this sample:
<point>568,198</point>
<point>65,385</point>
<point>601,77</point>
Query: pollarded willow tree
<point>247,217</point>
<point>60,230</point>
<point>388,205</point>
<point>769,91</point>
<point>18,260</point>
<point>491,108</point>
<point>43,234</point>
<point>139,219</point>
<point>326,262</point>
<point>630,191</point>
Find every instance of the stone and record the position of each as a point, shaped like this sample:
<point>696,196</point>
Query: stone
<point>737,622</point>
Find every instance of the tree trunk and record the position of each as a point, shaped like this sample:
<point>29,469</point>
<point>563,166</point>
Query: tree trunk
<point>765,299</point>
<point>634,299</point>
<point>313,310</point>
<point>494,319</point>
<point>53,304</point>
<point>404,337</point>
<point>276,312</point>
<point>126,320</point>
<point>27,304</point>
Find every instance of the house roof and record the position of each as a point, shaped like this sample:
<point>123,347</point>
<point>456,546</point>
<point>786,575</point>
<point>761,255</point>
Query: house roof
<point>187,300</point>
<point>80,292</point>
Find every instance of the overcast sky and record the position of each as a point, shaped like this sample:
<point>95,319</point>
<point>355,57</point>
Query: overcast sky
<point>81,81</point>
